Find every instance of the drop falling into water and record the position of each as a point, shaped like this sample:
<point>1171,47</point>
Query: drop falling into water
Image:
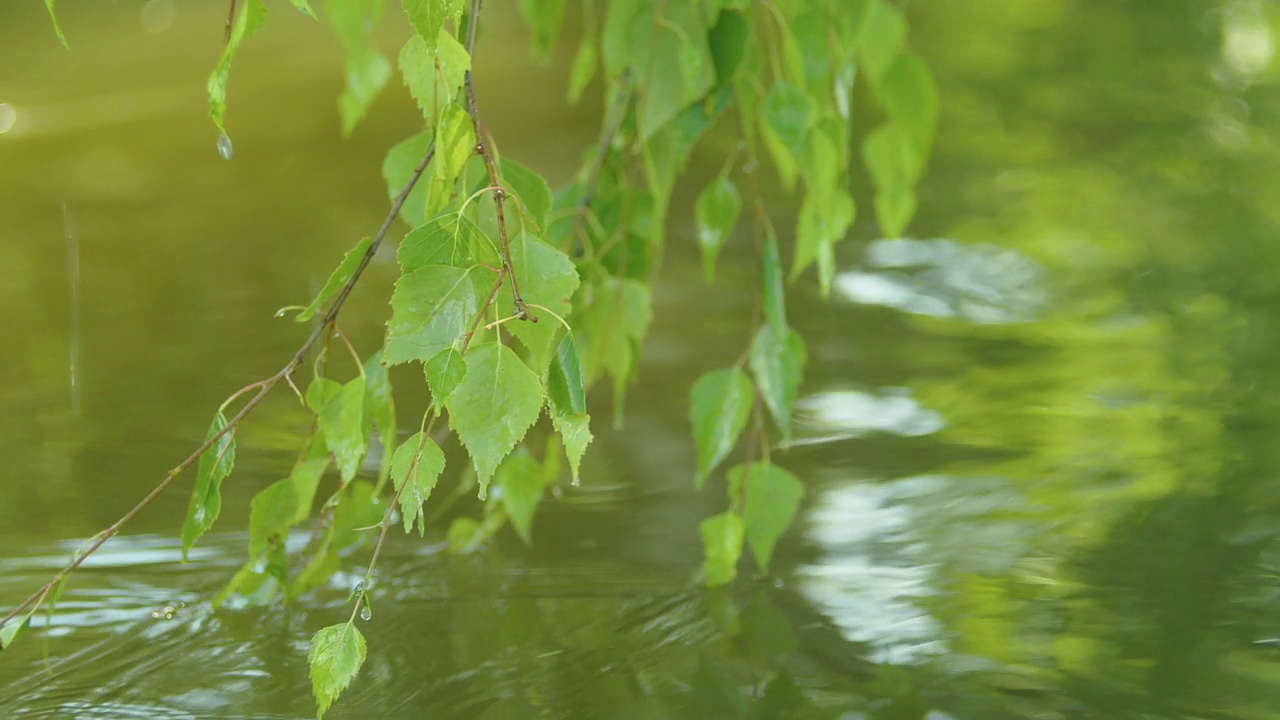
<point>224,146</point>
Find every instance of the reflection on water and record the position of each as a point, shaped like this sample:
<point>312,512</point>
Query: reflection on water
<point>1040,448</point>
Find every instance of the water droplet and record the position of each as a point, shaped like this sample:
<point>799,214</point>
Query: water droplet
<point>366,613</point>
<point>224,146</point>
<point>280,312</point>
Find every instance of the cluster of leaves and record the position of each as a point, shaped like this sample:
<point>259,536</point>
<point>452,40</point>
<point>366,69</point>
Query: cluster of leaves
<point>514,299</point>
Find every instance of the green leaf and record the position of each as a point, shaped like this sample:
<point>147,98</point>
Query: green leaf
<point>340,276</point>
<point>583,69</point>
<point>894,210</point>
<point>719,408</point>
<point>773,296</point>
<point>415,469</point>
<point>910,97</point>
<point>721,546</point>
<point>342,420</point>
<point>892,158</point>
<point>613,327</point>
<point>206,499</point>
<point>544,18</point>
<point>547,278</point>
<point>671,60</point>
<point>337,652</point>
<point>10,631</point>
<point>283,504</point>
<point>564,382</point>
<point>785,122</point>
<point>380,406</point>
<point>251,17</point>
<point>716,212</point>
<point>432,307</point>
<point>398,168</point>
<point>433,75</point>
<point>773,497</point>
<point>824,220</point>
<point>449,239</point>
<point>530,188</point>
<point>367,73</point>
<point>520,479</point>
<point>575,432</point>
<point>57,29</point>
<point>496,404</point>
<point>880,37</point>
<point>445,372</point>
<point>304,7</point>
<point>728,41</point>
<point>777,361</point>
<point>455,145</point>
<point>428,17</point>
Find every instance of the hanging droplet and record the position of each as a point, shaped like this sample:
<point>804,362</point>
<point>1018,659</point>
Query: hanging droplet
<point>224,146</point>
<point>366,613</point>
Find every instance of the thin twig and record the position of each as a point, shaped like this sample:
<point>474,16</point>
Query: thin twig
<point>231,16</point>
<point>482,147</point>
<point>266,385</point>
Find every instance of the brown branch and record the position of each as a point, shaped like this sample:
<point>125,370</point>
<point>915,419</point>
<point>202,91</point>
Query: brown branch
<point>231,16</point>
<point>265,387</point>
<point>491,167</point>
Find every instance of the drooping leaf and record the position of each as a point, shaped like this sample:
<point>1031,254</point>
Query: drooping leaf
<point>428,17</point>
<point>304,7</point>
<point>367,73</point>
<point>575,432</point>
<point>520,479</point>
<point>206,500</point>
<point>432,307</point>
<point>716,212</point>
<point>880,37</point>
<point>433,75</point>
<point>728,41</point>
<point>445,371</point>
<point>337,652</point>
<point>720,405</point>
<point>497,402</point>
<point>892,158</point>
<point>547,278</point>
<point>671,61</point>
<point>531,188</point>
<point>785,122</point>
<point>824,220</point>
<point>564,381</point>
<point>11,630</point>
<point>468,534</point>
<point>398,168</point>
<point>448,239</point>
<point>773,296</point>
<point>340,276</point>
<point>910,97</point>
<point>894,210</point>
<point>283,504</point>
<point>722,547</point>
<point>583,69</point>
<point>342,420</point>
<point>381,408</point>
<point>544,18</point>
<point>777,361</point>
<point>252,16</point>
<point>614,325</point>
<point>415,469</point>
<point>57,29</point>
<point>773,497</point>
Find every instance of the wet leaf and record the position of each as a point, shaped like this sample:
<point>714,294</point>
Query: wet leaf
<point>398,167</point>
<point>337,652</point>
<point>548,278</point>
<point>722,547</point>
<point>716,212</point>
<point>340,276</point>
<point>777,361</point>
<point>304,7</point>
<point>448,239</point>
<point>206,500</point>
<point>342,420</point>
<point>531,189</point>
<point>719,408</point>
<point>498,401</point>
<point>785,121</point>
<point>416,468</point>
<point>773,497</point>
<point>575,432</point>
<point>433,75</point>
<point>432,307</point>
<point>251,17</point>
<point>564,382</point>
<point>445,371</point>
<point>520,479</point>
<point>380,406</point>
<point>428,17</point>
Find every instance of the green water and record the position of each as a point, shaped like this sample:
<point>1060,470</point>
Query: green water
<point>1039,440</point>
